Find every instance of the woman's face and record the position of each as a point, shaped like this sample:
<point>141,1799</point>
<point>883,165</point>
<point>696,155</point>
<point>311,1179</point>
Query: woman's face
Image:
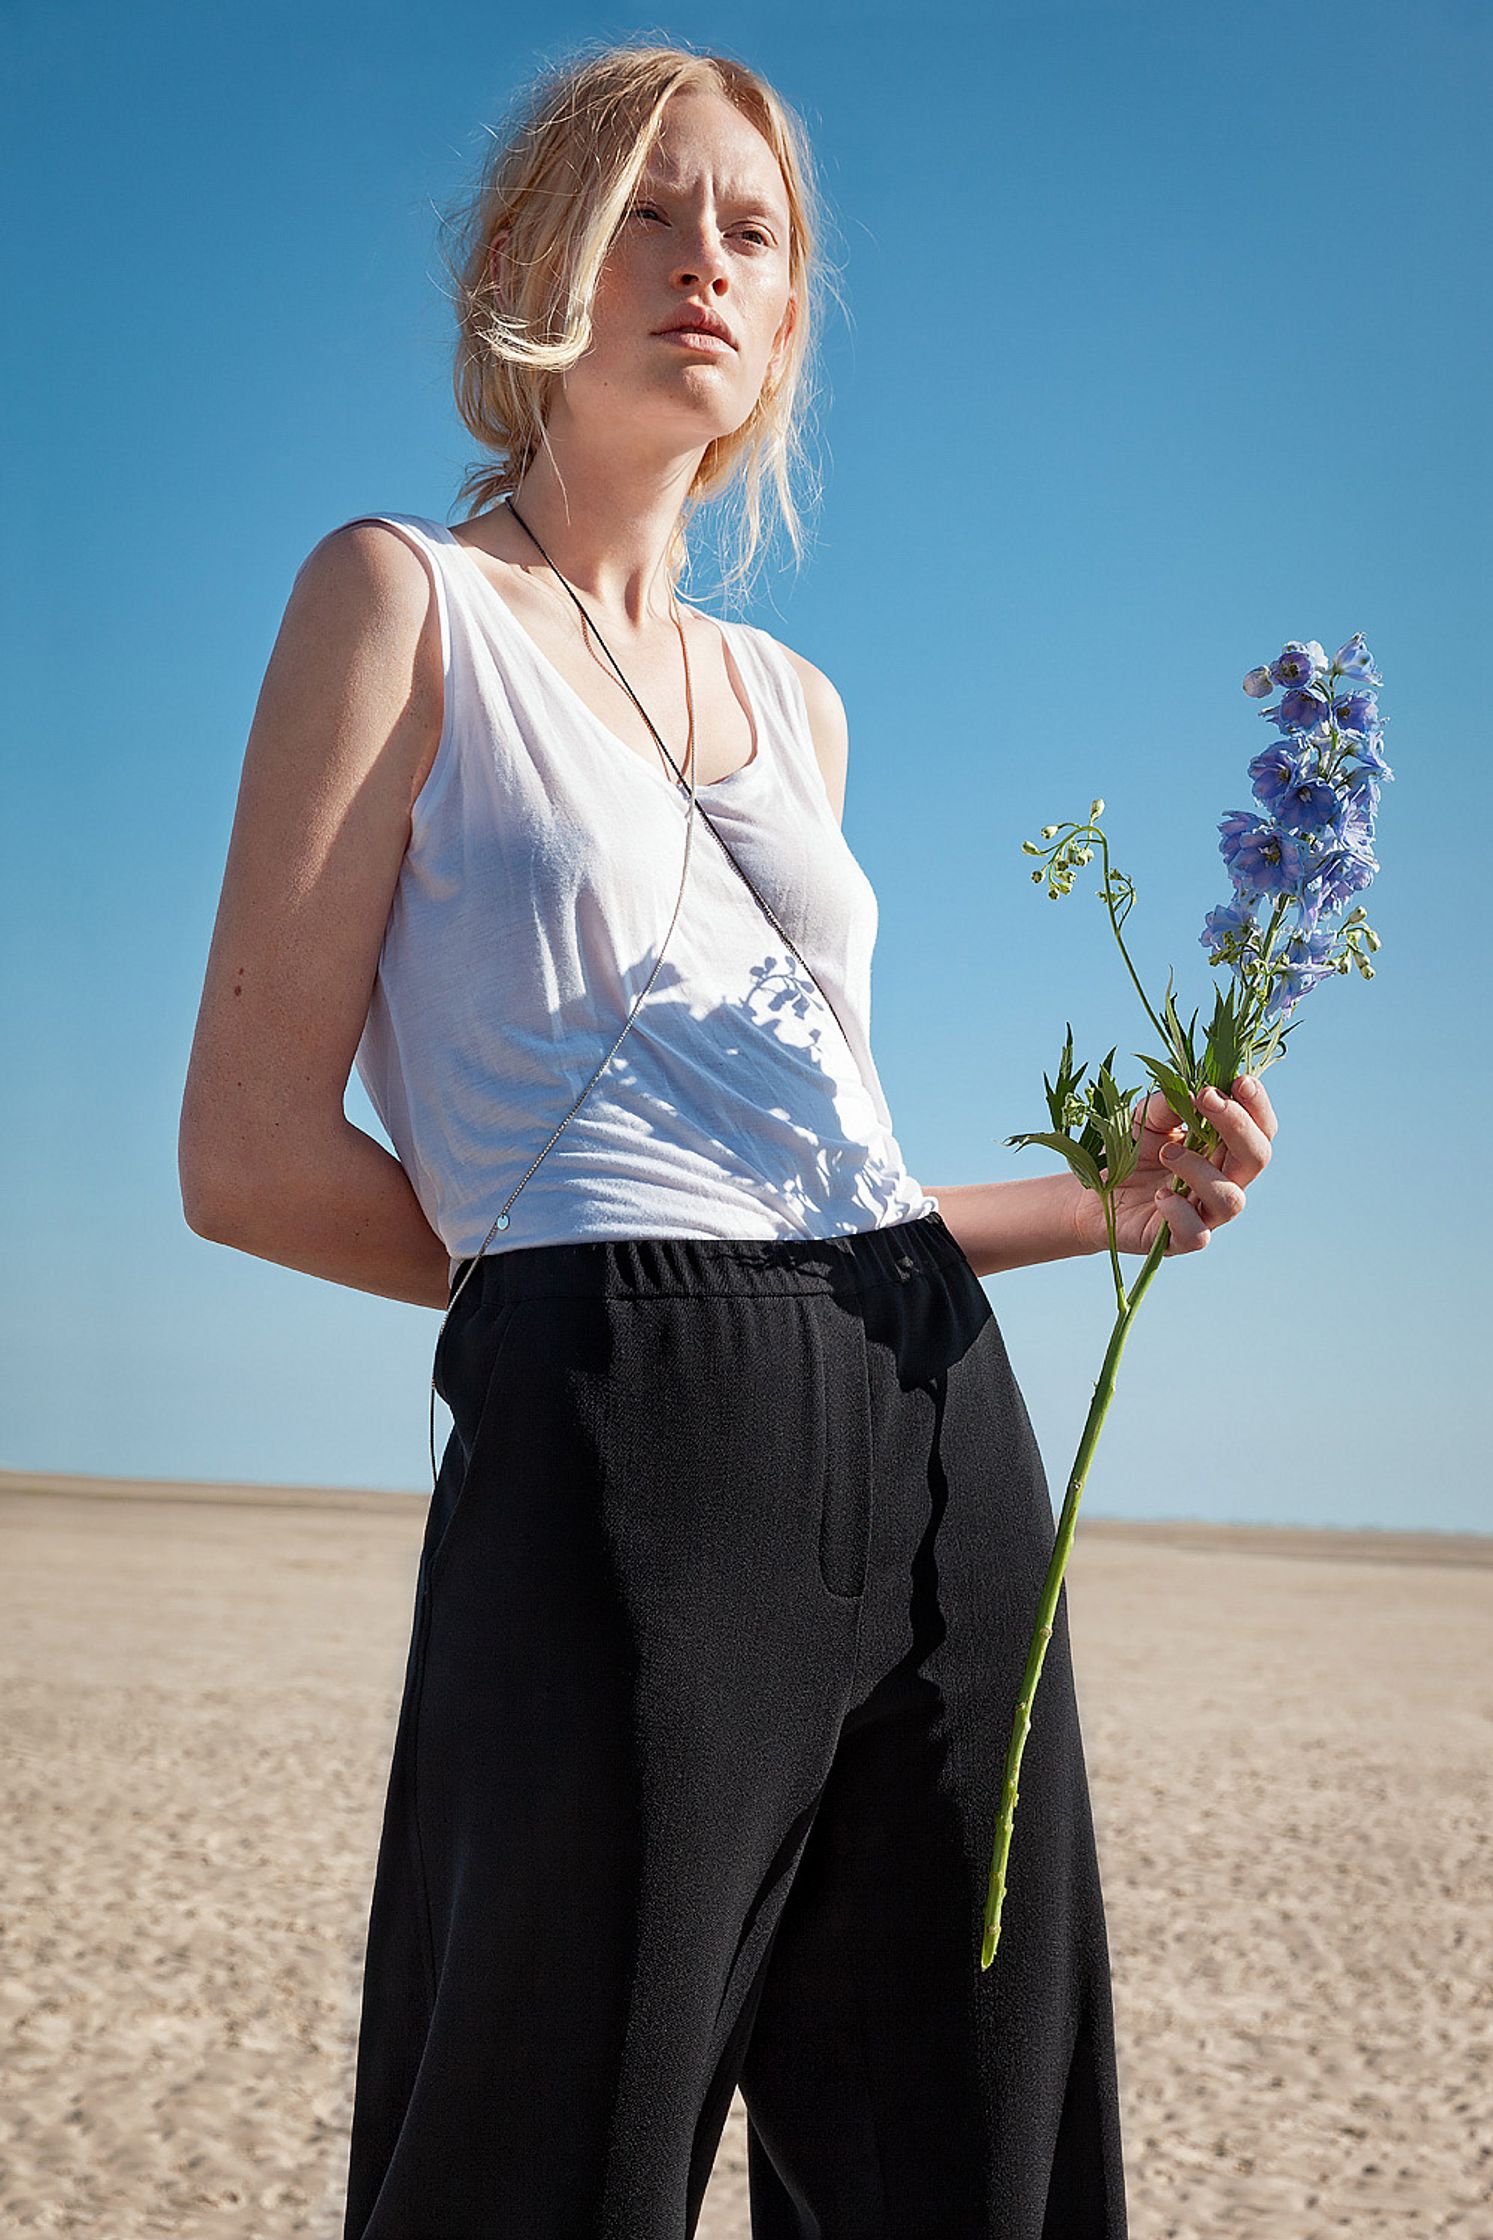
<point>708,227</point>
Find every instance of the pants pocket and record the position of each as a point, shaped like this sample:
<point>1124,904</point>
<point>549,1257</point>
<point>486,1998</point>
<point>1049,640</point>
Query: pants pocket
<point>842,1421</point>
<point>472,1382</point>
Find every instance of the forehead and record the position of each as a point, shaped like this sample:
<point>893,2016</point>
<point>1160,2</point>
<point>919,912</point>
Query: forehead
<point>704,135</point>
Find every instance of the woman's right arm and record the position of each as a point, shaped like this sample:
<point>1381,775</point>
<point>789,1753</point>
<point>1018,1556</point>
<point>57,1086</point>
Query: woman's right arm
<point>344,734</point>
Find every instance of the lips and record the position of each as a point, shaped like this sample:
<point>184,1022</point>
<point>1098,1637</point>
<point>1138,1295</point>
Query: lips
<point>699,321</point>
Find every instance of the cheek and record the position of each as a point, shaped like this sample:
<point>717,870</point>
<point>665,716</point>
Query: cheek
<point>773,310</point>
<point>621,282</point>
<point>612,289</point>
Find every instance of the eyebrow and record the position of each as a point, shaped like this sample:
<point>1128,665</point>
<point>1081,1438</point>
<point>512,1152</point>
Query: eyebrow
<point>769,203</point>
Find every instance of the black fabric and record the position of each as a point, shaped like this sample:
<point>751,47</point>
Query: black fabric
<point>722,1609</point>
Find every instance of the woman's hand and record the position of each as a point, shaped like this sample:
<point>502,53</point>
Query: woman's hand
<point>1216,1180</point>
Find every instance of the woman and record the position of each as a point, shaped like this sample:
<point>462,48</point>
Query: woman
<point>735,1547</point>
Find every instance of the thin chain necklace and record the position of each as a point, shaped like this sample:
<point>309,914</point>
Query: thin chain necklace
<point>762,904</point>
<point>501,1221</point>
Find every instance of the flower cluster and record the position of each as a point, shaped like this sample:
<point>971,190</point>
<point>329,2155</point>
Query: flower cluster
<point>1309,848</point>
<point>1295,861</point>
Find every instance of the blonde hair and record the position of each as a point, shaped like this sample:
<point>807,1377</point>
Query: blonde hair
<point>559,183</point>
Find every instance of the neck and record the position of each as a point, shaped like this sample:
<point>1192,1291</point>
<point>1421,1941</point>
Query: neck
<point>605,517</point>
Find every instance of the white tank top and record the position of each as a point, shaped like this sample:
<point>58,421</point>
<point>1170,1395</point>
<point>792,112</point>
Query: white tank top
<point>540,877</point>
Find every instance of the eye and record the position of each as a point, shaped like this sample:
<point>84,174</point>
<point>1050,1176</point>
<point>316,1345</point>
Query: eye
<point>762,235</point>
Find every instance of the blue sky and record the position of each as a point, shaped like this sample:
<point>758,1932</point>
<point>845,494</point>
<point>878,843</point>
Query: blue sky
<point>1168,339</point>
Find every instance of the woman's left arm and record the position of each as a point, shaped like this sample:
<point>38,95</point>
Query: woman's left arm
<point>1001,1225</point>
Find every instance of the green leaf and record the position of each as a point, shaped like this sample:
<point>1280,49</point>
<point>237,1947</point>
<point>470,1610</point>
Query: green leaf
<point>1114,1120</point>
<point>1224,1059</point>
<point>1083,1165</point>
<point>1172,1086</point>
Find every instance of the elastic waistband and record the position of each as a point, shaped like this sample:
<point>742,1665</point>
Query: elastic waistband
<point>656,1267</point>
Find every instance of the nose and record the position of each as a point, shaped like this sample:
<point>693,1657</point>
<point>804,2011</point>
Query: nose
<point>701,260</point>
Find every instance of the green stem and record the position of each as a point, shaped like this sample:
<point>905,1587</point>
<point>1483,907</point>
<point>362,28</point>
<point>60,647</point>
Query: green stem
<point>1109,910</point>
<point>1104,1390</point>
<point>1107,1197</point>
<point>1255,1011</point>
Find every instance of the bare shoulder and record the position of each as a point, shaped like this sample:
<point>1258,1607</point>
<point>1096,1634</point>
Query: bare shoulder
<point>362,607</point>
<point>368,577</point>
<point>829,724</point>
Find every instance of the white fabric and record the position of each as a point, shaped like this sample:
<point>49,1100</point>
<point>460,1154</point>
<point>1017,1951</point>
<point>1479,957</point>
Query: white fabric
<point>541,874</point>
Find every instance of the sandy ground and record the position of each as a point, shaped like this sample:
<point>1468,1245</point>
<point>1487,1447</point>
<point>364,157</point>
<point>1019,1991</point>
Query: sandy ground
<point>1290,1744</point>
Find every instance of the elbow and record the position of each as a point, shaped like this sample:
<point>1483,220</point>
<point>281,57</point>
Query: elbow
<point>218,1167</point>
<point>244,1172</point>
<point>207,1203</point>
<point>241,1191</point>
<point>214,1184</point>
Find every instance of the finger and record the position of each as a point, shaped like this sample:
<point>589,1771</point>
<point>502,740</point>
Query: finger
<point>1157,1117</point>
<point>1250,1091</point>
<point>1246,1145</point>
<point>1189,1231</point>
<point>1221,1198</point>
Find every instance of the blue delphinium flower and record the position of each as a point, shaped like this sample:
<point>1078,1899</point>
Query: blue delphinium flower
<point>1344,871</point>
<point>1287,784</point>
<point>1308,959</point>
<point>1363,790</point>
<point>1312,806</point>
<point>1355,660</point>
<point>1229,920</point>
<point>1298,709</point>
<point>1299,664</point>
<point>1273,771</point>
<point>1261,855</point>
<point>1370,753</point>
<point>1356,711</point>
<point>1313,849</point>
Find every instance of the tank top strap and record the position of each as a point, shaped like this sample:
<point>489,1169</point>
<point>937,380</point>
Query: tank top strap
<point>461,698</point>
<point>772,681</point>
<point>415,530</point>
<point>778,682</point>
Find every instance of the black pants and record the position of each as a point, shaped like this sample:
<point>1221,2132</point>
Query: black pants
<point>722,1611</point>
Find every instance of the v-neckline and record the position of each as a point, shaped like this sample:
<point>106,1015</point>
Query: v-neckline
<point>558,678</point>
